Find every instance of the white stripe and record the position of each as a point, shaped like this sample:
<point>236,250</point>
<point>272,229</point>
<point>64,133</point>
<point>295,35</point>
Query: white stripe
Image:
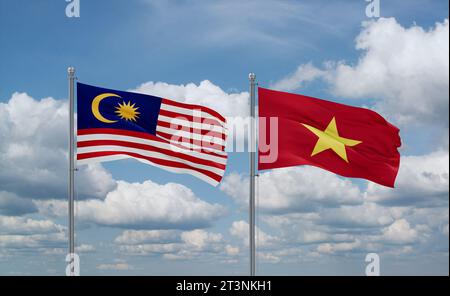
<point>192,124</point>
<point>191,112</point>
<point>114,148</point>
<point>188,135</point>
<point>190,146</point>
<point>94,137</point>
<point>199,175</point>
<point>101,159</point>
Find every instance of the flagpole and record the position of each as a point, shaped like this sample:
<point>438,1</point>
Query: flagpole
<point>71,77</point>
<point>252,79</point>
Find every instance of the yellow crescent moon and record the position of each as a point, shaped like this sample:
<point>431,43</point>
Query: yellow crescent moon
<point>96,104</point>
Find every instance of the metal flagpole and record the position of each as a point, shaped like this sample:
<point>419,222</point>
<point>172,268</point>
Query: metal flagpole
<point>252,78</point>
<point>71,76</point>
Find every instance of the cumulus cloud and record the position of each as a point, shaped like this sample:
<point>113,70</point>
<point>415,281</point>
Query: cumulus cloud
<point>366,215</point>
<point>13,205</point>
<point>240,229</point>
<point>300,229</point>
<point>402,66</point>
<point>34,242</point>
<point>22,225</point>
<point>332,225</point>
<point>234,106</point>
<point>422,180</point>
<point>33,151</point>
<point>135,237</point>
<point>367,228</point>
<point>404,70</point>
<point>305,73</point>
<point>84,248</point>
<point>175,245</point>
<point>115,266</point>
<point>331,248</point>
<point>199,239</point>
<point>296,189</point>
<point>400,232</point>
<point>20,234</point>
<point>205,94</point>
<point>233,251</point>
<point>145,205</point>
<point>375,219</point>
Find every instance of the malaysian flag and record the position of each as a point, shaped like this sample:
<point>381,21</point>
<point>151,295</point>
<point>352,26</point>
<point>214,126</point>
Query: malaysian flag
<point>177,137</point>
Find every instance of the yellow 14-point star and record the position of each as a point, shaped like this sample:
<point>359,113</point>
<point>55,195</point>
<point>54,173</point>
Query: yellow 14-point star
<point>330,139</point>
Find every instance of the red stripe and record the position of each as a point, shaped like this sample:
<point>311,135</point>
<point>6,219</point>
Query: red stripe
<point>192,130</point>
<point>168,163</point>
<point>141,135</point>
<point>184,140</point>
<point>151,148</point>
<point>89,131</point>
<point>194,107</point>
<point>190,117</point>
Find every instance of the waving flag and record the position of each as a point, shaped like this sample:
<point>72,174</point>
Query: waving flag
<point>346,140</point>
<point>177,137</point>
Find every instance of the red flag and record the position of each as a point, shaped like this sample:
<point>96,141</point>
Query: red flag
<point>346,140</point>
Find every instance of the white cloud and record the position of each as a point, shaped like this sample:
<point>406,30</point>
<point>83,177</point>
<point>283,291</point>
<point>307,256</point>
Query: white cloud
<point>19,234</point>
<point>305,73</point>
<point>267,257</point>
<point>331,248</point>
<point>146,249</point>
<point>304,229</point>
<point>23,226</point>
<point>366,215</point>
<point>372,220</point>
<point>115,266</point>
<point>233,251</point>
<point>84,248</point>
<point>93,181</point>
<point>233,106</point>
<point>135,237</point>
<point>34,242</point>
<point>199,239</point>
<point>11,204</point>
<point>33,151</point>
<point>406,71</point>
<point>422,180</point>
<point>400,232</point>
<point>174,245</point>
<point>150,205</point>
<point>146,205</point>
<point>296,189</point>
<point>240,229</point>
<point>402,66</point>
<point>205,94</point>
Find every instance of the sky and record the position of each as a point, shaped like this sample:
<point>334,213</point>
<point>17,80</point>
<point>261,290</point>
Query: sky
<point>134,219</point>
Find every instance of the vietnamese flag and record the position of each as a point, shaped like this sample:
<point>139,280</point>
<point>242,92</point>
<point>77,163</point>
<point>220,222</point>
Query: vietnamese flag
<point>349,141</point>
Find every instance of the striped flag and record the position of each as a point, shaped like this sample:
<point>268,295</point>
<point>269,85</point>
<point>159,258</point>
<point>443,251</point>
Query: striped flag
<point>176,137</point>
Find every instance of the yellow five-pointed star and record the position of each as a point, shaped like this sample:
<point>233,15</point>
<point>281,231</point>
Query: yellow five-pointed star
<point>330,139</point>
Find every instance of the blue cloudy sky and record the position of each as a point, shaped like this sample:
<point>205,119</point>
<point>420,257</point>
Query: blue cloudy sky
<point>136,219</point>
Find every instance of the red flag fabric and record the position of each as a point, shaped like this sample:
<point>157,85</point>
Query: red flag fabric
<point>349,141</point>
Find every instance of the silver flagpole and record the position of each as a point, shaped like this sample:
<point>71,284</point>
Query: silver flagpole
<point>71,76</point>
<point>252,78</point>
